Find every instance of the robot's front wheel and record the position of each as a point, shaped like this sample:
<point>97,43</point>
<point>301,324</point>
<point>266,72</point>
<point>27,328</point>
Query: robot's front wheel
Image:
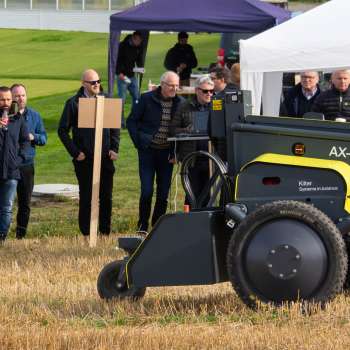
<point>286,251</point>
<point>111,284</point>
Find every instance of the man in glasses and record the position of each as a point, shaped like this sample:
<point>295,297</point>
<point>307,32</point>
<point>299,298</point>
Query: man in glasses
<point>37,137</point>
<point>81,148</point>
<point>300,99</point>
<point>148,126</point>
<point>183,123</point>
<point>129,55</point>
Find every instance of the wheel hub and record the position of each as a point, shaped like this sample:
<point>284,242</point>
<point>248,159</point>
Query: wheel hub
<point>283,261</point>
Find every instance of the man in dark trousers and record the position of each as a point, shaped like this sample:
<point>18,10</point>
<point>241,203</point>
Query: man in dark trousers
<point>300,99</point>
<point>37,137</point>
<point>129,56</point>
<point>183,122</point>
<point>181,59</point>
<point>81,147</point>
<point>13,142</point>
<point>335,102</point>
<point>148,126</point>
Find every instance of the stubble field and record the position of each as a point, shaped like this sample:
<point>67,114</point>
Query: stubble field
<point>49,301</point>
<point>48,297</point>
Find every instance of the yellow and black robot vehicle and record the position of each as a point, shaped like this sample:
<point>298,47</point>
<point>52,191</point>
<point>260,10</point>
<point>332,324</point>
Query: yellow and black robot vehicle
<point>277,221</point>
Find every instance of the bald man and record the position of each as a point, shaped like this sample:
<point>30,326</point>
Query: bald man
<point>81,148</point>
<point>335,102</point>
<point>148,126</point>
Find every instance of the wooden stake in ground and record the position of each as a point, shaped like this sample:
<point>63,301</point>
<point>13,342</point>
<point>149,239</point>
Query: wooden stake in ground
<point>96,170</point>
<point>98,113</point>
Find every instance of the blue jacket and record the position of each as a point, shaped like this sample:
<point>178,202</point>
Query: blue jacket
<point>35,126</point>
<point>13,148</point>
<point>144,120</point>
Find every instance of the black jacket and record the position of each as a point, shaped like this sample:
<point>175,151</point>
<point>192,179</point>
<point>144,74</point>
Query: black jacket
<point>83,139</point>
<point>128,55</point>
<point>181,54</point>
<point>333,104</point>
<point>296,104</point>
<point>13,146</point>
<point>182,123</point>
<point>144,120</point>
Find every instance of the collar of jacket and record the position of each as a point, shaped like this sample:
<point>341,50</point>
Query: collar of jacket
<point>347,92</point>
<point>80,93</point>
<point>194,102</point>
<point>157,95</point>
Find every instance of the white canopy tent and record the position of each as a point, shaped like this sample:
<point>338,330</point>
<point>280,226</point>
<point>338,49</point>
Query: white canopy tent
<point>315,40</point>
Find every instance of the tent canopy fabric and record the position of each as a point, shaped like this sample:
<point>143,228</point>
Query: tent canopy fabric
<point>232,16</point>
<point>250,16</point>
<point>315,40</point>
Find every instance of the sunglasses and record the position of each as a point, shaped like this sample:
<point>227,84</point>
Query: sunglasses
<point>93,82</point>
<point>207,91</point>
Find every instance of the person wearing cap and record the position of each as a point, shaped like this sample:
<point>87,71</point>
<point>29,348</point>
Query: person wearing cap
<point>181,59</point>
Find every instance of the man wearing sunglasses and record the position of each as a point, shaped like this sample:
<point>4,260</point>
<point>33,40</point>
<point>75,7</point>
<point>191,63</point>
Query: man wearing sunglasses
<point>183,122</point>
<point>81,148</point>
<point>148,126</point>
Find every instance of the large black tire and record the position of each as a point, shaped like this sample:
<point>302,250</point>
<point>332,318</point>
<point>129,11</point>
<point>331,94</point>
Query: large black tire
<point>286,251</point>
<point>107,284</point>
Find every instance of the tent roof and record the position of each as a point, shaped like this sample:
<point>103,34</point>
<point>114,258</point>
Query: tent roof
<point>246,16</point>
<point>317,39</point>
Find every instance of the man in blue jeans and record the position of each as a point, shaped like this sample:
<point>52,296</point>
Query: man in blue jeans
<point>13,141</point>
<point>37,137</point>
<point>148,126</point>
<point>129,56</point>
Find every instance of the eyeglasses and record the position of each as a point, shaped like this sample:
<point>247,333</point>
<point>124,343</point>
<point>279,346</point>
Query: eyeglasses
<point>173,86</point>
<point>207,91</point>
<point>93,82</point>
<point>305,77</point>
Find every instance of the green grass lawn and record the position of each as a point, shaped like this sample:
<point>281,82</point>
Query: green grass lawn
<point>50,64</point>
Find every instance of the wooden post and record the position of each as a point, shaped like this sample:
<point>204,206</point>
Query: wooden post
<point>96,170</point>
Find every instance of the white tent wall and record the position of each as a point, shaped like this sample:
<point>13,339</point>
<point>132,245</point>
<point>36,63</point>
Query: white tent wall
<point>315,40</point>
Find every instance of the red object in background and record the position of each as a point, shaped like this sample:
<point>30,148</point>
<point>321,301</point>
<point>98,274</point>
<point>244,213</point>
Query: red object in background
<point>221,57</point>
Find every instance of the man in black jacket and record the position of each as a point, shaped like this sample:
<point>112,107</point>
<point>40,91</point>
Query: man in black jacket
<point>148,126</point>
<point>335,102</point>
<point>14,138</point>
<point>81,147</point>
<point>300,98</point>
<point>183,122</point>
<point>181,59</point>
<point>129,55</point>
